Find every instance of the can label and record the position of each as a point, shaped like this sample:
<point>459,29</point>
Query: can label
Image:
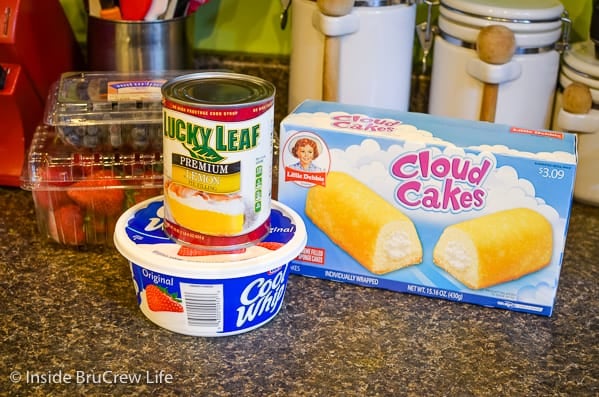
<point>217,173</point>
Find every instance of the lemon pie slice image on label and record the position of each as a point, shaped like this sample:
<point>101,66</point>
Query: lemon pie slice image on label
<point>203,212</point>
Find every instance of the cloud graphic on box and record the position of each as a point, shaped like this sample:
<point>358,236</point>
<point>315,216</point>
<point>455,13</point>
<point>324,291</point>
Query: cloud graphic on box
<point>542,293</point>
<point>505,189</point>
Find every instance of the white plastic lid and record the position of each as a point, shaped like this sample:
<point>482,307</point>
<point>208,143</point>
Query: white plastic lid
<point>139,237</point>
<point>535,23</point>
<point>104,98</point>
<point>510,10</point>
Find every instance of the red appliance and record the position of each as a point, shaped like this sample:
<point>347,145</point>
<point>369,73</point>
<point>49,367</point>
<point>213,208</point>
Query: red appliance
<point>20,110</point>
<point>36,46</point>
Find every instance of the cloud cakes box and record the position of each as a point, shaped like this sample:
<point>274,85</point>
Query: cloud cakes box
<point>446,208</point>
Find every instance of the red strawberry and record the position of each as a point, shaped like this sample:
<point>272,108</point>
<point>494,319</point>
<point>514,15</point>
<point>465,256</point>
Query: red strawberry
<point>100,228</point>
<point>138,195</point>
<point>271,245</point>
<point>51,193</point>
<point>100,193</point>
<point>160,301</point>
<point>51,199</point>
<point>146,184</point>
<point>189,251</point>
<point>65,225</point>
<point>87,164</point>
<point>58,175</point>
<point>150,186</point>
<point>135,10</point>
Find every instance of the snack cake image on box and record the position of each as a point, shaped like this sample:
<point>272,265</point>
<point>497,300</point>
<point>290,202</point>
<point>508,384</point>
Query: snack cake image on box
<point>495,248</point>
<point>374,232</point>
<point>461,210</point>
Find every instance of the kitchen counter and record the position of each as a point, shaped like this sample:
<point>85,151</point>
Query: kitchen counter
<point>71,326</point>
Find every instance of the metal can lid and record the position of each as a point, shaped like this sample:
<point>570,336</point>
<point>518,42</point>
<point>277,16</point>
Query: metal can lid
<point>217,89</point>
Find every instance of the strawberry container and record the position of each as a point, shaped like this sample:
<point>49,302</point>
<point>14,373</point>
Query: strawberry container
<point>108,110</point>
<point>80,193</point>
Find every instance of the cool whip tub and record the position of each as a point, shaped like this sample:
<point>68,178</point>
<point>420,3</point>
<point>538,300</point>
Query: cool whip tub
<point>203,292</point>
<point>446,208</point>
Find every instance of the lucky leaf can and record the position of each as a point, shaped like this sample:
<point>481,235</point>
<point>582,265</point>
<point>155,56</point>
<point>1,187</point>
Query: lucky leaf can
<point>217,143</point>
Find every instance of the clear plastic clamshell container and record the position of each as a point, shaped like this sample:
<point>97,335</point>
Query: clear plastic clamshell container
<point>80,194</point>
<point>109,110</point>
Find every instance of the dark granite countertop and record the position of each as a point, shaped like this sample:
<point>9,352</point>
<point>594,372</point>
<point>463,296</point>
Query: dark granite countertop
<point>73,312</point>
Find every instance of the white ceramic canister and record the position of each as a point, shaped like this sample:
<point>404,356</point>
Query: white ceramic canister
<point>205,292</point>
<point>580,65</point>
<point>526,84</point>
<point>375,52</point>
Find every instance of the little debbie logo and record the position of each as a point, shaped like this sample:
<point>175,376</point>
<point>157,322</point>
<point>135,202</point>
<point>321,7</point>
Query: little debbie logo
<point>90,377</point>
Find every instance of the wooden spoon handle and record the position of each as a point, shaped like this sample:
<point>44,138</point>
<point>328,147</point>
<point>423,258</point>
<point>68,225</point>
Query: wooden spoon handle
<point>330,63</point>
<point>330,72</point>
<point>495,45</point>
<point>489,102</point>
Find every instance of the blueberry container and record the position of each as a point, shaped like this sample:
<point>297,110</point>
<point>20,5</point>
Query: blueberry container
<point>108,110</point>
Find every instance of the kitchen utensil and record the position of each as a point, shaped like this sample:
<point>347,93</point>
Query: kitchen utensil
<point>421,73</point>
<point>526,84</point>
<point>495,45</point>
<point>181,8</point>
<point>194,5</point>
<point>170,10</point>
<point>157,8</point>
<point>330,81</point>
<point>94,8</point>
<point>110,10</point>
<point>134,10</point>
<point>285,14</point>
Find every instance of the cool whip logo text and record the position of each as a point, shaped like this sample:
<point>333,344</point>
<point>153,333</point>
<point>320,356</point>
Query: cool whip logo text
<point>364,123</point>
<point>460,186</point>
<point>261,296</point>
